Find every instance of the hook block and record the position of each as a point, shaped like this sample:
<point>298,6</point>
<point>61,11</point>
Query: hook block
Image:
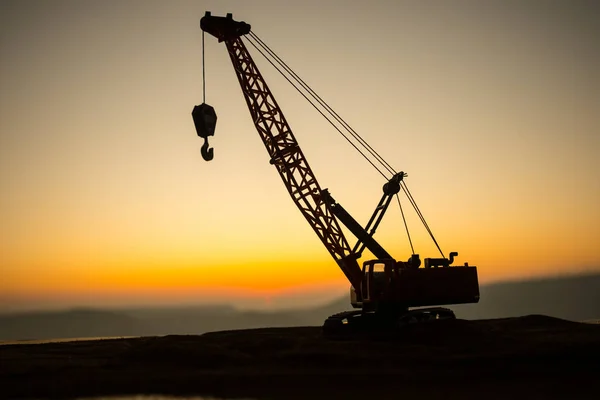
<point>205,120</point>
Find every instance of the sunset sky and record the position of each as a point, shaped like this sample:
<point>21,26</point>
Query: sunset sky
<point>491,107</point>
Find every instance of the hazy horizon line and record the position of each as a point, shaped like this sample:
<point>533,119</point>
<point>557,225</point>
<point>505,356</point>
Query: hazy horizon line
<point>256,303</point>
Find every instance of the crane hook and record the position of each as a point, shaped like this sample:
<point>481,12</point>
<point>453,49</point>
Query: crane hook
<point>205,120</point>
<point>207,153</point>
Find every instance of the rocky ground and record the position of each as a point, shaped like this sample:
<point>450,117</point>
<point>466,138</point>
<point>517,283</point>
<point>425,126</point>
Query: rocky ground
<point>532,357</point>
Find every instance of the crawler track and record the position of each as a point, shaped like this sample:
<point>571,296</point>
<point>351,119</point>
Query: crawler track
<point>359,322</point>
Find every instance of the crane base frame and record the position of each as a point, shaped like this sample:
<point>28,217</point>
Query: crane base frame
<point>350,323</point>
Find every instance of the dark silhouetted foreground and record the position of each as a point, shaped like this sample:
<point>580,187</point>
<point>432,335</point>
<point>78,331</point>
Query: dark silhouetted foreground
<point>515,358</point>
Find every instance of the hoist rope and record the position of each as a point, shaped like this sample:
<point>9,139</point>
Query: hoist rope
<point>324,104</point>
<point>316,108</point>
<point>203,72</point>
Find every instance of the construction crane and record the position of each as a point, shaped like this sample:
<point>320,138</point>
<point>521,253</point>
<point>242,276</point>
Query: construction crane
<point>385,292</point>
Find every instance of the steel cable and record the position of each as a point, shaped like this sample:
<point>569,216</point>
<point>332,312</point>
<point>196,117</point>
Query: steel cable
<point>258,44</point>
<point>324,104</point>
<point>316,108</point>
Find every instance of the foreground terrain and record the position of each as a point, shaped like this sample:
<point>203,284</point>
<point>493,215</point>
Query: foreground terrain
<point>527,357</point>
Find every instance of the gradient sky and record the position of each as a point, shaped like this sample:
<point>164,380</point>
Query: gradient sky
<point>492,107</point>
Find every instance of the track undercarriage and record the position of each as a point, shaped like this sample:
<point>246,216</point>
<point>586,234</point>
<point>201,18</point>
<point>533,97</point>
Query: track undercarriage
<point>359,321</point>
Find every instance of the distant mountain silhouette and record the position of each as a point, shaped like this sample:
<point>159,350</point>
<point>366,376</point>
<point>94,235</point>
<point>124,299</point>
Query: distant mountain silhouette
<point>574,298</point>
<point>67,324</point>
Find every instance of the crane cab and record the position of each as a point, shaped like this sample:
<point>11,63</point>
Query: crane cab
<point>390,284</point>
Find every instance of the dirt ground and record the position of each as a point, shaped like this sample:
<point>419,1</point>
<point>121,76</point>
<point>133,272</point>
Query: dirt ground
<point>532,357</point>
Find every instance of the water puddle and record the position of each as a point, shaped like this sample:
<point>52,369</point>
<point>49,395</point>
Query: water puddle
<point>156,397</point>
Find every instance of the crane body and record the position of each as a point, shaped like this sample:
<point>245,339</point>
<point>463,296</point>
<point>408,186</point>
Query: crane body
<point>383,289</point>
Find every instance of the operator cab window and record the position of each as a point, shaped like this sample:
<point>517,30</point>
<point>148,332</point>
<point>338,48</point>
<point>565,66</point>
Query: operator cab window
<point>379,267</point>
<point>379,277</point>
